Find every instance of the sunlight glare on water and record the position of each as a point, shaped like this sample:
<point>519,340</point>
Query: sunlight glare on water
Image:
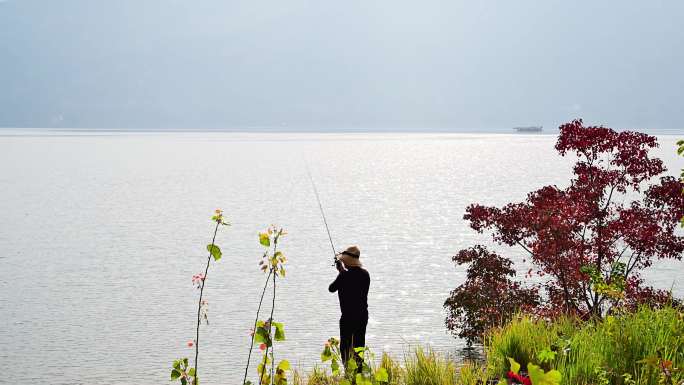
<point>102,233</point>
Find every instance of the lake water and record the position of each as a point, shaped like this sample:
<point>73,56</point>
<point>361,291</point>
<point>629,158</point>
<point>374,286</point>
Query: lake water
<point>102,232</point>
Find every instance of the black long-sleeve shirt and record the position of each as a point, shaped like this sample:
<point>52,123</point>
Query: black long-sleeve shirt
<point>352,289</point>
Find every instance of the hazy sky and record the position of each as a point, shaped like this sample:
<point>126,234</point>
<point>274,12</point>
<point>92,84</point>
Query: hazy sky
<point>344,63</point>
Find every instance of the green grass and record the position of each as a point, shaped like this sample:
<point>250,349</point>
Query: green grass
<point>594,352</point>
<point>597,353</point>
<point>420,367</point>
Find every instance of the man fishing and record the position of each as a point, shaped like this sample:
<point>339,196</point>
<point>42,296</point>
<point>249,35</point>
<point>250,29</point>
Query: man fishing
<point>351,285</point>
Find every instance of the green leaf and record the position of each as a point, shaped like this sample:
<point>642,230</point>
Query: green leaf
<point>538,377</point>
<point>335,367</point>
<point>175,374</point>
<point>176,364</point>
<point>282,272</point>
<point>262,336</point>
<point>352,366</point>
<point>215,251</point>
<point>185,362</point>
<point>344,381</point>
<point>284,365</point>
<point>264,239</point>
<point>279,331</point>
<point>546,355</point>
<point>515,367</point>
<point>191,372</point>
<point>359,379</point>
<point>381,375</point>
<point>326,354</point>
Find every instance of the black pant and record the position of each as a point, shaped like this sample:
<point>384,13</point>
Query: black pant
<point>352,335</point>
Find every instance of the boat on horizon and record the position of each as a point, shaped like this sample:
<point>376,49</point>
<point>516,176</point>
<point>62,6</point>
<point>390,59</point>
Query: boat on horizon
<point>529,129</point>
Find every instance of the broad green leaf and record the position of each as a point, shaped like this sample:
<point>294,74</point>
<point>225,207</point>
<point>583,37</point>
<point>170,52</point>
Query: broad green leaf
<point>185,362</point>
<point>359,379</point>
<point>176,364</point>
<point>538,377</point>
<point>352,366</point>
<point>284,365</point>
<point>381,375</point>
<point>326,355</point>
<point>515,367</point>
<point>279,331</point>
<point>264,239</point>
<point>191,372</point>
<point>215,251</point>
<point>175,374</point>
<point>344,381</point>
<point>335,367</point>
<point>282,272</point>
<point>262,336</point>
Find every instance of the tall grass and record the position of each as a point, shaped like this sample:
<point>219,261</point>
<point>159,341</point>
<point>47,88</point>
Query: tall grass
<point>419,367</point>
<point>429,369</point>
<point>589,351</point>
<point>596,352</point>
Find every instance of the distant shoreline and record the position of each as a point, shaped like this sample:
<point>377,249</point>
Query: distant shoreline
<point>270,130</point>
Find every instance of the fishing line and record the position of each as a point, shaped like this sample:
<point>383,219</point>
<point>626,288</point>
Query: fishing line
<point>320,206</point>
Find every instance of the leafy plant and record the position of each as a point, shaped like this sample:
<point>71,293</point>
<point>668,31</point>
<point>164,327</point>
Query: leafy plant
<point>488,298</point>
<point>266,332</point>
<point>535,375</point>
<point>366,374</point>
<point>180,370</point>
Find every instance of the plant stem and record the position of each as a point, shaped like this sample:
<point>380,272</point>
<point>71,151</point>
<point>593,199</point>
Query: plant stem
<point>199,304</point>
<point>256,319</point>
<point>273,344</point>
<point>270,319</point>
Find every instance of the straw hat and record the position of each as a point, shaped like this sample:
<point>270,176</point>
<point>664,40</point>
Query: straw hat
<point>350,257</point>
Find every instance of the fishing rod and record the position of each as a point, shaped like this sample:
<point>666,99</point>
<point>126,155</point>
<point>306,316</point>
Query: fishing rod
<point>320,206</point>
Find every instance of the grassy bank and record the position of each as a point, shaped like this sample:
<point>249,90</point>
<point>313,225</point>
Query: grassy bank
<point>618,350</point>
<point>646,347</point>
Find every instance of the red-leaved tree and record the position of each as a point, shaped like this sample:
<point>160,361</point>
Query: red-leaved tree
<point>592,238</point>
